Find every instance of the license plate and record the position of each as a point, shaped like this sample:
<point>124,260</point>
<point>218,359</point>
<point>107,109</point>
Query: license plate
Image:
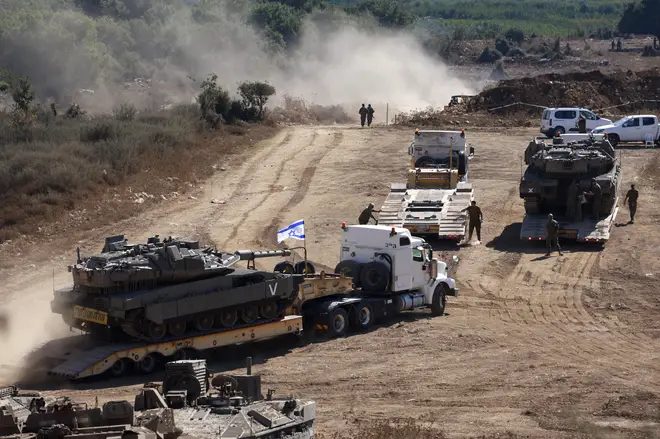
<point>568,233</point>
<point>90,315</point>
<point>422,228</point>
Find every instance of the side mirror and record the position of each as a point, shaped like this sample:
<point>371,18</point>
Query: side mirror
<point>410,150</point>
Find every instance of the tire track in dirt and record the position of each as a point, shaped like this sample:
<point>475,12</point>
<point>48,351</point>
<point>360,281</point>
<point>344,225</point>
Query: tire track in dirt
<point>301,191</point>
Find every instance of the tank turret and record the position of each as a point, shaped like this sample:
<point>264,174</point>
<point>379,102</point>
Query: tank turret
<point>559,171</point>
<point>171,287</point>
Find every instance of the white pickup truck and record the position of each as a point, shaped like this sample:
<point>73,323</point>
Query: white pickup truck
<point>637,128</point>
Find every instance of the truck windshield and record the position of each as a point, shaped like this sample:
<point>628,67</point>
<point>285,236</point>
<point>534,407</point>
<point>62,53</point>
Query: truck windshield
<point>621,121</point>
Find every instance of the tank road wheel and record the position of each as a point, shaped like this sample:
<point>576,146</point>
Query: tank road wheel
<point>226,319</point>
<point>119,368</point>
<point>147,364</point>
<point>284,267</point>
<point>439,300</point>
<point>156,331</point>
<point>338,322</point>
<point>362,316</point>
<point>350,269</point>
<point>204,323</point>
<point>375,276</point>
<point>177,328</point>
<point>268,310</point>
<point>250,314</point>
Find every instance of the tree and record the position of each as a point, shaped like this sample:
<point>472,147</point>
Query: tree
<point>23,94</point>
<point>255,95</point>
<point>642,18</point>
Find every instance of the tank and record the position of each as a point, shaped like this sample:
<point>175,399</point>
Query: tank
<point>230,406</point>
<point>552,168</point>
<point>170,289</point>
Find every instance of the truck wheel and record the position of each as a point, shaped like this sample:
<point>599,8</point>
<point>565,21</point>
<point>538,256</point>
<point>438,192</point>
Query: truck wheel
<point>561,130</point>
<point>300,268</point>
<point>375,277</point>
<point>284,267</point>
<point>350,269</point>
<point>614,139</point>
<point>362,317</point>
<point>119,368</point>
<point>439,300</point>
<point>338,322</point>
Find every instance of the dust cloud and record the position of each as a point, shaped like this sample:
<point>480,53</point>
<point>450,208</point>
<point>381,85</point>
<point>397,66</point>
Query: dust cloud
<point>338,61</point>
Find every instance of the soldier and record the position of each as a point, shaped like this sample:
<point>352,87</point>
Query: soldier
<point>363,114</point>
<point>476,218</point>
<point>367,214</point>
<point>582,125</point>
<point>612,44</point>
<point>631,198</point>
<point>618,45</point>
<point>370,114</point>
<point>597,196</point>
<point>571,200</point>
<point>552,232</point>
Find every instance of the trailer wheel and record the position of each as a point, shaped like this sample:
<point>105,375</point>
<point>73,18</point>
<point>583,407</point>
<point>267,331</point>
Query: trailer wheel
<point>362,316</point>
<point>285,267</point>
<point>305,268</point>
<point>439,300</point>
<point>119,368</point>
<point>147,364</point>
<point>375,276</point>
<point>350,269</point>
<point>338,322</point>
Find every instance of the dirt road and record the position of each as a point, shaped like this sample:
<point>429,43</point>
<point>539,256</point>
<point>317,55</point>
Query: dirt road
<point>550,348</point>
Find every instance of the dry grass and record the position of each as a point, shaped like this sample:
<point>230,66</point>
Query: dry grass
<point>296,110</point>
<point>57,165</point>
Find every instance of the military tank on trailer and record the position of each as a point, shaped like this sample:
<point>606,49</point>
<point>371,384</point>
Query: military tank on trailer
<point>560,179</point>
<point>171,288</point>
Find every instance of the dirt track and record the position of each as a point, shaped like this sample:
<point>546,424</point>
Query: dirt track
<point>538,347</point>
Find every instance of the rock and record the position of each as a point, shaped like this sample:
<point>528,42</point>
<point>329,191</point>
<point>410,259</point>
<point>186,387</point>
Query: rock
<point>139,200</point>
<point>216,201</point>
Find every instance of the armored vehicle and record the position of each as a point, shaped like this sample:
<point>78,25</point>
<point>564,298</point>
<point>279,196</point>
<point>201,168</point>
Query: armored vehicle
<point>227,406</point>
<point>561,179</point>
<point>171,288</point>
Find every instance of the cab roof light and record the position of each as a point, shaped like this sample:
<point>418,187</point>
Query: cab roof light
<point>343,226</point>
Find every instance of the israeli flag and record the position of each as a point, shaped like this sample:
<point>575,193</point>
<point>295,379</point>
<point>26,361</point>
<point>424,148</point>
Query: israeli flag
<point>295,231</point>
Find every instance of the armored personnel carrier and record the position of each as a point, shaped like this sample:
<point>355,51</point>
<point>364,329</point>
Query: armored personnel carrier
<point>227,406</point>
<point>171,288</point>
<point>561,179</point>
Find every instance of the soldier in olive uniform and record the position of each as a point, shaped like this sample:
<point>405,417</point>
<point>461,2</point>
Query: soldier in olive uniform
<point>631,198</point>
<point>476,218</point>
<point>370,114</point>
<point>363,114</point>
<point>597,197</point>
<point>367,214</point>
<point>552,235</point>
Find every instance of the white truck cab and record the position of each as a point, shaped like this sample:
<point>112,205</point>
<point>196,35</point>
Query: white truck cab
<point>390,261</point>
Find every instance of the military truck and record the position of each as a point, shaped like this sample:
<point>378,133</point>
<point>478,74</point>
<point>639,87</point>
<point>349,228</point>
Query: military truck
<point>171,288</point>
<point>430,203</point>
<point>382,271</point>
<point>558,180</point>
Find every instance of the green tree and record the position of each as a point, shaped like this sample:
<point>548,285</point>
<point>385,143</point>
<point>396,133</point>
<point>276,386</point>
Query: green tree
<point>23,94</point>
<point>255,95</point>
<point>641,18</point>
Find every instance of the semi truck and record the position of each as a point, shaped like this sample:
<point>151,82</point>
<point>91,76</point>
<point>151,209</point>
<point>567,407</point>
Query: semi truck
<point>382,271</point>
<point>432,200</point>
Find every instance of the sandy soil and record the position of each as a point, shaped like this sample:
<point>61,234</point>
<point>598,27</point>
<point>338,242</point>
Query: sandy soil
<point>556,347</point>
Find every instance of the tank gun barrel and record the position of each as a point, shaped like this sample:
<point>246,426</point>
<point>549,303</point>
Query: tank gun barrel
<point>249,255</point>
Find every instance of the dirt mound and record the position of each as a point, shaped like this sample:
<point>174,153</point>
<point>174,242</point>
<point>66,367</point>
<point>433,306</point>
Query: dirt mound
<point>593,90</point>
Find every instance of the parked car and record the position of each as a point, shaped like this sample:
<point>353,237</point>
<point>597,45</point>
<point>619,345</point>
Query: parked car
<point>637,128</point>
<point>564,120</point>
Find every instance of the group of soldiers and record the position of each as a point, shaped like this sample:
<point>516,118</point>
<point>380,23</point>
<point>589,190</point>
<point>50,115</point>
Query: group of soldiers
<point>366,114</point>
<point>576,199</point>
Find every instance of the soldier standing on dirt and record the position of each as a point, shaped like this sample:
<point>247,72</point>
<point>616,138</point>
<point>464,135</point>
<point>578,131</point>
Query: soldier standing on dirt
<point>370,115</point>
<point>597,196</point>
<point>582,124</point>
<point>552,235</point>
<point>631,198</point>
<point>613,44</point>
<point>572,200</point>
<point>363,114</point>
<point>367,214</point>
<point>618,45</point>
<point>476,218</point>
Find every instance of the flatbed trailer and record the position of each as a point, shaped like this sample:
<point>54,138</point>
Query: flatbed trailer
<point>587,230</point>
<point>428,212</point>
<point>83,356</point>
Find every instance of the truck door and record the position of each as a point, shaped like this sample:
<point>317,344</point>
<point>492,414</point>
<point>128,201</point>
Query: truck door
<point>418,278</point>
<point>631,131</point>
<point>403,269</point>
<point>649,128</point>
